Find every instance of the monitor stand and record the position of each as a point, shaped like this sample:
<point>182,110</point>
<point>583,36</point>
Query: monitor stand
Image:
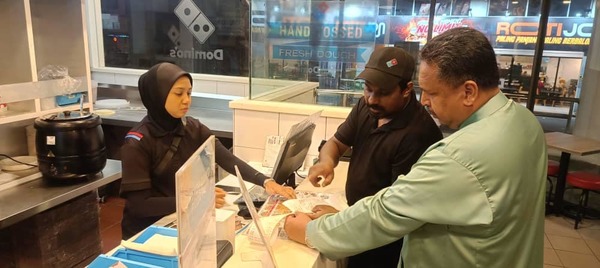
<point>291,180</point>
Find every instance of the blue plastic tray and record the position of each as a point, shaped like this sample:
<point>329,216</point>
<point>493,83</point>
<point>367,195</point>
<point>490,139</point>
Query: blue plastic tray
<point>139,258</point>
<point>152,230</point>
<point>104,261</point>
<point>145,257</point>
<point>68,99</point>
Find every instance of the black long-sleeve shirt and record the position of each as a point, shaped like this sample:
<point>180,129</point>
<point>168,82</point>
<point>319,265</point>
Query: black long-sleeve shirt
<point>150,195</point>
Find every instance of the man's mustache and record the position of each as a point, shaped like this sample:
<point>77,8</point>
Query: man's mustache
<point>376,107</point>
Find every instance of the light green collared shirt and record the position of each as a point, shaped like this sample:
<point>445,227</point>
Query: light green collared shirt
<point>473,199</point>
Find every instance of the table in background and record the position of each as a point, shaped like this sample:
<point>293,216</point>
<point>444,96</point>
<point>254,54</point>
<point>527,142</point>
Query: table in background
<point>568,144</point>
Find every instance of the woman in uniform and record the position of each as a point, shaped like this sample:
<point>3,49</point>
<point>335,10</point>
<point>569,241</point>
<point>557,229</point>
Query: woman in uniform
<point>148,184</point>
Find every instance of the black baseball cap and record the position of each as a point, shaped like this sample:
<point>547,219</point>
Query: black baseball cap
<point>387,66</point>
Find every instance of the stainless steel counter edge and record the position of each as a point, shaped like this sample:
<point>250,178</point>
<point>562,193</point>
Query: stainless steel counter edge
<point>28,199</point>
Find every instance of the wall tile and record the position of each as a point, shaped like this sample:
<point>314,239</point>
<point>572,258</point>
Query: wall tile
<point>126,79</point>
<point>250,128</point>
<point>205,86</point>
<point>332,126</point>
<point>108,78</point>
<point>249,154</point>
<point>228,88</point>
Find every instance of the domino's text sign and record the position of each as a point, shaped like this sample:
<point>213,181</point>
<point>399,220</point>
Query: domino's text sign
<point>346,32</point>
<point>288,52</point>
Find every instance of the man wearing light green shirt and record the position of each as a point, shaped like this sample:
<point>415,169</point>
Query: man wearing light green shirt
<point>473,199</point>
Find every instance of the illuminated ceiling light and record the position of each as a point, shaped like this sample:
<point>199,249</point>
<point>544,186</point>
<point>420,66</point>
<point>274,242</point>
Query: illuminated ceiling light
<point>566,2</point>
<point>515,2</point>
<point>353,12</point>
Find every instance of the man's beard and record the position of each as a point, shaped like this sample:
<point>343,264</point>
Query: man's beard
<point>379,111</point>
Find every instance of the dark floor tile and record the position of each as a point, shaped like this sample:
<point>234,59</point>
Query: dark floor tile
<point>115,201</point>
<point>111,237</point>
<point>110,214</point>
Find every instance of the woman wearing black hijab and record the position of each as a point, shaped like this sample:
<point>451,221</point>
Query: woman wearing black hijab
<point>149,191</point>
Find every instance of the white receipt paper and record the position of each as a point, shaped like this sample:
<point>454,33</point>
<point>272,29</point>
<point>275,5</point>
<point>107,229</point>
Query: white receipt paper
<point>156,244</point>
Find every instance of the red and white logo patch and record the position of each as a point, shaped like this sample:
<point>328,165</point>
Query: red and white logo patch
<point>391,63</point>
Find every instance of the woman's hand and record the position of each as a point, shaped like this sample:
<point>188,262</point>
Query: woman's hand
<point>219,197</point>
<point>273,187</point>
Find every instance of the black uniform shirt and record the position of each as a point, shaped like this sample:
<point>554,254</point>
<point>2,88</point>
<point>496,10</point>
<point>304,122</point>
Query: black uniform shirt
<point>380,154</point>
<point>151,196</point>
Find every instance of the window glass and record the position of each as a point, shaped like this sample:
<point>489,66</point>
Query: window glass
<point>201,36</point>
<point>559,8</point>
<point>517,7</point>
<point>324,42</point>
<point>534,7</point>
<point>499,8</point>
<point>404,7</point>
<point>580,8</point>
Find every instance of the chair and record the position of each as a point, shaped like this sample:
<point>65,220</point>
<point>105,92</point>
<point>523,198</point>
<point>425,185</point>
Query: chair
<point>587,182</point>
<point>553,167</point>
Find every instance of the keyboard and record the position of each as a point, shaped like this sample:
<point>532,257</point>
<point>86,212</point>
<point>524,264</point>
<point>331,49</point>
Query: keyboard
<point>257,193</point>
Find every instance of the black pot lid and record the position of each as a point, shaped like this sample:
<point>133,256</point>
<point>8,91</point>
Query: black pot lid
<point>66,116</point>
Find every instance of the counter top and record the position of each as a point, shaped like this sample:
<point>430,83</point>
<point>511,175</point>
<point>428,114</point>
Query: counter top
<point>219,121</point>
<point>25,200</point>
<point>290,108</point>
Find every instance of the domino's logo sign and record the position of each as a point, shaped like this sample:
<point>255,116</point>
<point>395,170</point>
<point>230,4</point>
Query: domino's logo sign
<point>196,22</point>
<point>199,26</point>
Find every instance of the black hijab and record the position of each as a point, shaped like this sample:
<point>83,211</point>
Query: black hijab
<point>154,86</point>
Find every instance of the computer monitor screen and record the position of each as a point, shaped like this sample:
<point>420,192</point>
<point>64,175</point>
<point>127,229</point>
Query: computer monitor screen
<point>292,153</point>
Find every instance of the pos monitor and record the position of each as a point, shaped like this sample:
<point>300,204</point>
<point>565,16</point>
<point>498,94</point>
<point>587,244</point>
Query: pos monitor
<point>293,151</point>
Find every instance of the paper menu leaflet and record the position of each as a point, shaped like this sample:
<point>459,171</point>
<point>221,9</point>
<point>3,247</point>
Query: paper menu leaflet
<point>272,147</point>
<point>306,201</point>
<point>274,211</point>
<point>270,226</point>
<point>157,244</point>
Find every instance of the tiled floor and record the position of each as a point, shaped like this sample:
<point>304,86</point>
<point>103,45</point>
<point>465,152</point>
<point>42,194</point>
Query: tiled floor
<point>563,245</point>
<point>567,247</point>
<point>111,212</point>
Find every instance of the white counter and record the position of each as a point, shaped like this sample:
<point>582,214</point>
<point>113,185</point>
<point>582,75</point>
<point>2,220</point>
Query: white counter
<point>288,253</point>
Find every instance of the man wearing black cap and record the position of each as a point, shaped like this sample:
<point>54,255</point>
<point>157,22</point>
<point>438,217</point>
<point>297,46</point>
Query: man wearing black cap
<point>388,131</point>
<point>474,199</point>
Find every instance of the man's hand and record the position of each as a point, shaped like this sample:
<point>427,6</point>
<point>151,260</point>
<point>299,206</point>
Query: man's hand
<point>295,227</point>
<point>273,187</point>
<point>320,210</point>
<point>320,172</point>
<point>219,197</point>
